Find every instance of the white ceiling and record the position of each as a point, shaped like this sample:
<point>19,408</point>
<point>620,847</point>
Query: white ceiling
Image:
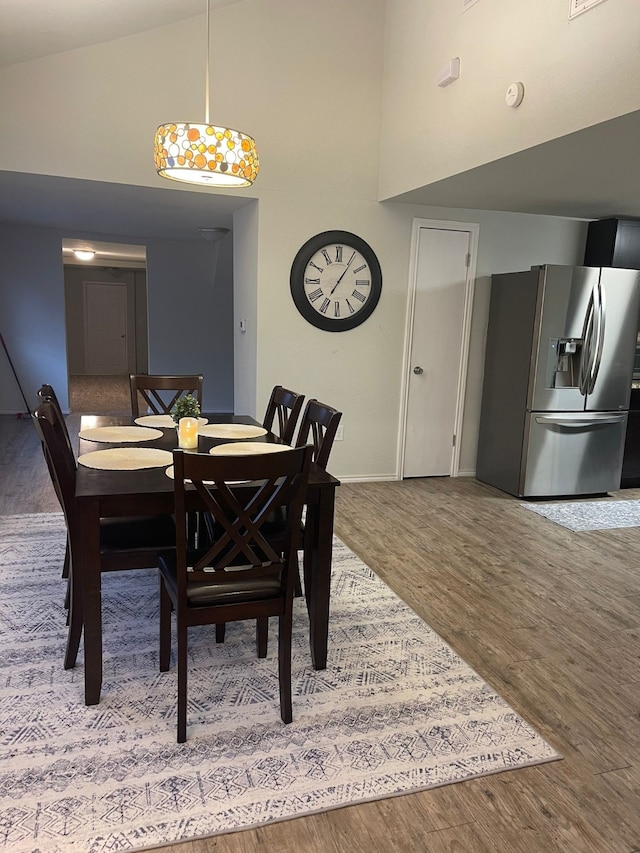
<point>590,174</point>
<point>83,207</point>
<point>30,29</point>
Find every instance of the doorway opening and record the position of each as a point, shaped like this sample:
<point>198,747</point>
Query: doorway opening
<point>106,322</point>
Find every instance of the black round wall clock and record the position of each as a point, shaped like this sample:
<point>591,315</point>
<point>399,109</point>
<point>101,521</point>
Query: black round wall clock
<point>336,281</point>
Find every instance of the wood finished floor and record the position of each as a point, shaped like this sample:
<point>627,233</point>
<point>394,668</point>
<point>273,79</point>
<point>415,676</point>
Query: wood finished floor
<point>549,617</point>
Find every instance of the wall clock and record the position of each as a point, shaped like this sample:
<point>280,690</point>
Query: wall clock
<point>336,281</point>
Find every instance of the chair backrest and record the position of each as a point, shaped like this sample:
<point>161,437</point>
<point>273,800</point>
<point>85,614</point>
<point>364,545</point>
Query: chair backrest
<point>242,493</point>
<point>60,458</point>
<point>158,394</point>
<point>286,405</point>
<point>47,394</point>
<point>321,423</point>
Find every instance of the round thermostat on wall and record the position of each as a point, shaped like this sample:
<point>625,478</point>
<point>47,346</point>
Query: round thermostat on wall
<point>515,94</point>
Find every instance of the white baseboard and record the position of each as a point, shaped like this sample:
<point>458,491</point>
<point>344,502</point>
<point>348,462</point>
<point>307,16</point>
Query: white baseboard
<point>370,478</point>
<point>380,478</point>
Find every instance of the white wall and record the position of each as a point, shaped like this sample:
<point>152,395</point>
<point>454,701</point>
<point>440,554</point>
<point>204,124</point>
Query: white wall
<point>576,73</point>
<point>360,371</point>
<point>306,80</point>
<point>303,77</point>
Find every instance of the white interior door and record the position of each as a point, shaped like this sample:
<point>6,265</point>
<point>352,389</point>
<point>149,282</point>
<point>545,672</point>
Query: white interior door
<point>438,331</point>
<point>105,328</point>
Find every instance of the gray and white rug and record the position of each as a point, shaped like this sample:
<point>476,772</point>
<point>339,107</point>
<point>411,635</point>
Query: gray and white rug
<point>395,711</point>
<point>582,516</point>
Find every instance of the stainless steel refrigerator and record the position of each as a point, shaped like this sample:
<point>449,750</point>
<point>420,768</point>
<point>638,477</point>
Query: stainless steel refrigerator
<point>558,368</point>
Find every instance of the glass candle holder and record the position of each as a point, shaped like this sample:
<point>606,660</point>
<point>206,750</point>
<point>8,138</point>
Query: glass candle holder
<point>188,433</point>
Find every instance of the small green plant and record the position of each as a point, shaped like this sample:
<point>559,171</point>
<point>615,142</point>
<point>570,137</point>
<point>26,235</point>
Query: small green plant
<point>185,407</point>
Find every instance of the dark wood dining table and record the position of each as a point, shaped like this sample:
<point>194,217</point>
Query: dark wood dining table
<point>112,493</point>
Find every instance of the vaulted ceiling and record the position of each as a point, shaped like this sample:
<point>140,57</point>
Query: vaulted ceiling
<point>590,174</point>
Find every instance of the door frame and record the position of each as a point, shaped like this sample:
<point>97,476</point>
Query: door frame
<point>473,229</point>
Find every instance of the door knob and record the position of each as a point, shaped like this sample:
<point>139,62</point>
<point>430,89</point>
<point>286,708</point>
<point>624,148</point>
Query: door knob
<point>418,370</point>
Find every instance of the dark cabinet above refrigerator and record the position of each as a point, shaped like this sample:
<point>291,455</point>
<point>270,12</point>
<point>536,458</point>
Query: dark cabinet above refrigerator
<point>613,243</point>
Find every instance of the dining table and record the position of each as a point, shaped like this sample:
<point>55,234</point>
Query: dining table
<point>111,493</point>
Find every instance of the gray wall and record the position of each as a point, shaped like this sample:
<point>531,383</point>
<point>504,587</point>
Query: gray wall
<point>190,312</point>
<point>32,318</point>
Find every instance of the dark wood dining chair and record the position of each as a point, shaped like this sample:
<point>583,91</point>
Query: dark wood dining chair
<point>125,543</point>
<point>284,406</point>
<point>47,394</point>
<point>318,427</point>
<point>157,395</point>
<point>242,574</point>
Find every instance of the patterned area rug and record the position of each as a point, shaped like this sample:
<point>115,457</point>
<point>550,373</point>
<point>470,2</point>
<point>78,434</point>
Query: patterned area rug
<point>581,516</point>
<point>395,711</point>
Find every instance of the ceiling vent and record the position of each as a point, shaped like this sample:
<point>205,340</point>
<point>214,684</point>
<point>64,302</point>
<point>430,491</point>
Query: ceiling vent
<point>577,7</point>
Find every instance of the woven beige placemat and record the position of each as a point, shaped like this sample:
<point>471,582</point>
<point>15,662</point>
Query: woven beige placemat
<point>162,421</point>
<point>126,458</point>
<point>247,448</point>
<point>231,431</point>
<point>117,434</point>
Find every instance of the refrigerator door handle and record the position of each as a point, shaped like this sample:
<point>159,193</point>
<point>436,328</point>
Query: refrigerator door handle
<point>600,317</point>
<point>587,349</point>
<point>581,421</point>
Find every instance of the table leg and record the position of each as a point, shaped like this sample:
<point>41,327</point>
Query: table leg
<point>317,570</point>
<point>89,566</point>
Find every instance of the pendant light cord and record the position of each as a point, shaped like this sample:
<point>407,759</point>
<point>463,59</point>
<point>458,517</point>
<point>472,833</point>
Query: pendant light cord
<point>206,82</point>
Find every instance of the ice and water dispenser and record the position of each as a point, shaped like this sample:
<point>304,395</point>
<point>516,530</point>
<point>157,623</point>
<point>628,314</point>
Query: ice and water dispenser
<point>564,362</point>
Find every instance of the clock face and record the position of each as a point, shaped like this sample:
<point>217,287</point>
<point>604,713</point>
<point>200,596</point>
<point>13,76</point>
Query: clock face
<point>336,281</point>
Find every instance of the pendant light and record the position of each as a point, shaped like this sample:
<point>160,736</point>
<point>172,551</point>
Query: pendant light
<point>205,154</point>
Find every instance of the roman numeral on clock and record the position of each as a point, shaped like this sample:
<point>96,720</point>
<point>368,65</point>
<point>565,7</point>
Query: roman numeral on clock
<point>336,309</point>
<point>315,294</point>
<point>362,282</point>
<point>312,264</point>
<point>352,310</point>
<point>359,269</point>
<point>324,306</point>
<point>326,256</point>
<point>338,254</point>
<point>312,281</point>
<point>359,296</point>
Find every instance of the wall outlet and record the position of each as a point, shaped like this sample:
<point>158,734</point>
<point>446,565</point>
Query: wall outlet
<point>340,432</point>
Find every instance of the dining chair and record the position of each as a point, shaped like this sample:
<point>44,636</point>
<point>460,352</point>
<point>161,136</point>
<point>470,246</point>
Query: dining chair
<point>158,394</point>
<point>320,422</point>
<point>125,542</point>
<point>46,394</point>
<point>318,426</point>
<point>284,405</point>
<point>242,574</point>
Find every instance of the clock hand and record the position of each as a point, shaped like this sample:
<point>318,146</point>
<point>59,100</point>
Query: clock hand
<point>343,272</point>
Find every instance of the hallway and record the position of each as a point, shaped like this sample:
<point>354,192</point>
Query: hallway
<point>99,394</point>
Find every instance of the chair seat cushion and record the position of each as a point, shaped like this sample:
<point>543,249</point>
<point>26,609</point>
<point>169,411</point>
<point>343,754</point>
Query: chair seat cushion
<point>145,533</point>
<point>204,593</point>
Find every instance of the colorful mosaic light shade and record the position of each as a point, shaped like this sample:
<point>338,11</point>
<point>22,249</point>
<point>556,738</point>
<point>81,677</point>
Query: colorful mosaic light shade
<point>205,154</point>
